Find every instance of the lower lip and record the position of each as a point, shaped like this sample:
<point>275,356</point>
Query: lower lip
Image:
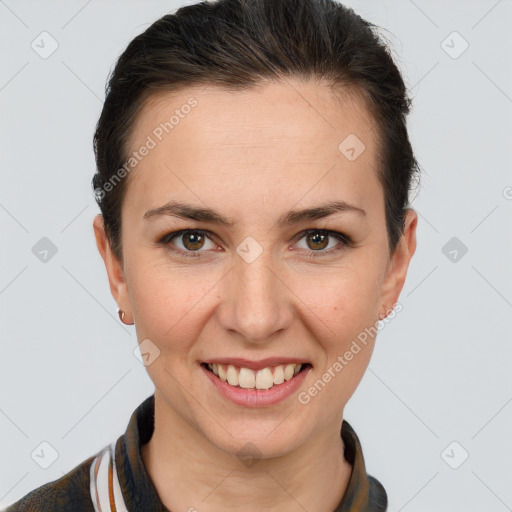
<point>258,397</point>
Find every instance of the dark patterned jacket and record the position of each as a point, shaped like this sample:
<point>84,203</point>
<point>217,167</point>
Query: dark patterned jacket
<point>116,480</point>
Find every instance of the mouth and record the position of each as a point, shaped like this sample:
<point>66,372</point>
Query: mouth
<point>262,379</point>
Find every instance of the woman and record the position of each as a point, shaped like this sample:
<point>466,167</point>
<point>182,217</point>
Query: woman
<point>253,177</point>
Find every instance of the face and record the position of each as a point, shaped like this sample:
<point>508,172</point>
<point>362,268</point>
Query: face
<point>251,265</point>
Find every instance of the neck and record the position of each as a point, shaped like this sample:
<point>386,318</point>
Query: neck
<point>191,474</point>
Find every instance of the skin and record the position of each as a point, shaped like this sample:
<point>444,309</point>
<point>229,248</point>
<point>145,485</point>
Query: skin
<point>252,156</point>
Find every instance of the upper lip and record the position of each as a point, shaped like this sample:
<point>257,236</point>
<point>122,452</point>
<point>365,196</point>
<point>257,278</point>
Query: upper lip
<point>256,365</point>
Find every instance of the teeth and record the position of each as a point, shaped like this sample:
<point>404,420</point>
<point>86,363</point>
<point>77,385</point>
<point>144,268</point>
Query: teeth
<point>250,379</point>
<point>232,375</point>
<point>288,371</point>
<point>264,379</point>
<point>278,375</point>
<point>246,378</point>
<point>222,373</point>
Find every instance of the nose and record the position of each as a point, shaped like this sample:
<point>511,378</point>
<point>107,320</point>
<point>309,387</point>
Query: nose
<point>256,302</point>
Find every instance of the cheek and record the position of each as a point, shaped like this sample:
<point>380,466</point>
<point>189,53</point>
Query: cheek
<point>347,299</point>
<point>346,307</point>
<point>348,310</point>
<point>167,306</point>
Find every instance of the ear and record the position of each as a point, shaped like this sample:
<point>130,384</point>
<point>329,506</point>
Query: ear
<point>399,263</point>
<point>114,268</point>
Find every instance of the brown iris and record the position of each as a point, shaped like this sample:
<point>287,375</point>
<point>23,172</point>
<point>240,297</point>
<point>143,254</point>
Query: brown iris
<point>193,241</point>
<point>318,238</point>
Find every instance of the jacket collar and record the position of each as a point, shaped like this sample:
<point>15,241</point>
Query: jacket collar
<point>364,493</point>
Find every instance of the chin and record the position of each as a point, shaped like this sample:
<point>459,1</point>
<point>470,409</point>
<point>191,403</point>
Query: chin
<point>257,439</point>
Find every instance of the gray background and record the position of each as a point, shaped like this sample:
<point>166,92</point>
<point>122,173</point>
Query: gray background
<point>441,370</point>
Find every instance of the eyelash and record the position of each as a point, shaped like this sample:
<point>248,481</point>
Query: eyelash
<point>345,240</point>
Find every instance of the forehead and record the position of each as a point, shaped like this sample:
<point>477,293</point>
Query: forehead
<point>278,137</point>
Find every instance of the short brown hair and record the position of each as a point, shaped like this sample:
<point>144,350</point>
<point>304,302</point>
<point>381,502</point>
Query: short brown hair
<point>240,43</point>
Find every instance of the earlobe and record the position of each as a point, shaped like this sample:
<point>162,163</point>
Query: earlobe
<point>399,264</point>
<point>113,267</point>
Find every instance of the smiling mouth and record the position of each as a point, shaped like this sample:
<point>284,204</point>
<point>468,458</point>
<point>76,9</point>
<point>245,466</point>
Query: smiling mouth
<point>264,379</point>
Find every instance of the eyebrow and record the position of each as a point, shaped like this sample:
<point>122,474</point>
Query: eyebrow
<point>191,212</point>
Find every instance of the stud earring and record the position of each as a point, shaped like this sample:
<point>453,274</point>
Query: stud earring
<point>121,314</point>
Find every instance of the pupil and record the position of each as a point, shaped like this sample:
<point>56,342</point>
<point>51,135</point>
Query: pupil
<point>321,237</point>
<point>193,236</point>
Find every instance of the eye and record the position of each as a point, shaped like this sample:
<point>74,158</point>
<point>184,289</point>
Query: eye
<point>317,240</point>
<point>192,240</point>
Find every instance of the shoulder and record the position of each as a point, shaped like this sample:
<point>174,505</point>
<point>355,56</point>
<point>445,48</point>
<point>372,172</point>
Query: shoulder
<point>70,492</point>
